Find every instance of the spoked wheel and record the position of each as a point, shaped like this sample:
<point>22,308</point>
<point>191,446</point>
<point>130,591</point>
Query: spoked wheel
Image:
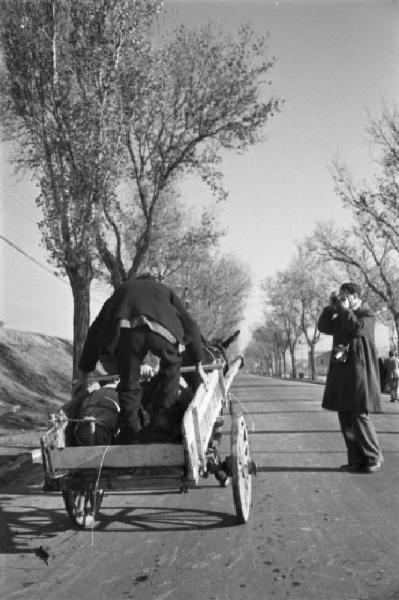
<point>82,505</point>
<point>241,468</point>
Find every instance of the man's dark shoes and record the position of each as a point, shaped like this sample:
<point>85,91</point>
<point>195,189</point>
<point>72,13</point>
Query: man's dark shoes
<point>354,468</point>
<point>373,467</point>
<point>130,428</point>
<point>370,467</point>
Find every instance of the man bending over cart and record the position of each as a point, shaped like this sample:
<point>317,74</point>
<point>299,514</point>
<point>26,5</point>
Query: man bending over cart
<point>141,315</point>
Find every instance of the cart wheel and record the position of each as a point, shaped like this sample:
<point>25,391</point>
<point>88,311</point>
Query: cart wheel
<point>81,507</point>
<point>240,464</point>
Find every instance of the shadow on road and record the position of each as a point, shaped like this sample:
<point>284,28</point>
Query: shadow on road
<point>297,469</point>
<point>291,431</point>
<point>286,384</point>
<point>28,527</point>
<point>287,410</point>
<point>163,519</point>
<point>274,401</point>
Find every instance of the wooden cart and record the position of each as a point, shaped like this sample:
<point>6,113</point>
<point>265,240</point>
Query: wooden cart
<point>83,473</point>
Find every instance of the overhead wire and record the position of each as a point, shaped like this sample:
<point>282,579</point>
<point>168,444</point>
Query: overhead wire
<point>94,294</point>
<point>18,249</point>
<point>20,215</point>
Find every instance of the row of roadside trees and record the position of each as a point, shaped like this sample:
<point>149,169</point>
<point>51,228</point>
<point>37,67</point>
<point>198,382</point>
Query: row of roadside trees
<point>107,110</point>
<point>367,251</point>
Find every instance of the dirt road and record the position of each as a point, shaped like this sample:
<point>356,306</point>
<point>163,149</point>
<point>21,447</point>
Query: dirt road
<point>314,533</point>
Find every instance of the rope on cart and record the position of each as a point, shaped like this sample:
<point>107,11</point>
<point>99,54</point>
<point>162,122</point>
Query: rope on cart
<point>95,493</point>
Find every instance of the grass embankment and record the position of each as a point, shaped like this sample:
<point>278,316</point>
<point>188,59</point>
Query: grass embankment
<point>35,377</point>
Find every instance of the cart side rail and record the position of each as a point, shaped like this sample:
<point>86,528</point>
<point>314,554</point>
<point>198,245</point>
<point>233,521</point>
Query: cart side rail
<point>200,417</point>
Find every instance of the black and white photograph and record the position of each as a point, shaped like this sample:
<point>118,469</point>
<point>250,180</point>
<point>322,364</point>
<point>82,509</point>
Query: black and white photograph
<point>199,306</point>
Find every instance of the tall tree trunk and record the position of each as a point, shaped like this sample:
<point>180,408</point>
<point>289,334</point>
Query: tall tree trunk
<point>275,363</point>
<point>284,364</point>
<point>270,370</point>
<point>293,362</point>
<point>278,363</point>
<point>81,315</point>
<point>313,374</point>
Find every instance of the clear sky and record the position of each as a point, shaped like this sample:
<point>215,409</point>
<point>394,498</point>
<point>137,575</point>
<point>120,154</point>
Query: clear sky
<point>336,63</point>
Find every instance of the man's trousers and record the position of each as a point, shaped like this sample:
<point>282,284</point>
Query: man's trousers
<point>132,347</point>
<point>360,438</point>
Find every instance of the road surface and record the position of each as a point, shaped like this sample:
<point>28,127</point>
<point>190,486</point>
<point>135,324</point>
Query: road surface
<point>314,533</point>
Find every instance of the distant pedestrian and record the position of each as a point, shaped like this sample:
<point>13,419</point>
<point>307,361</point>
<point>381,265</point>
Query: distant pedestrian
<point>392,371</point>
<point>352,386</point>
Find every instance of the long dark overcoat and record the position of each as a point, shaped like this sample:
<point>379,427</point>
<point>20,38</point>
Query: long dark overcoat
<point>353,385</point>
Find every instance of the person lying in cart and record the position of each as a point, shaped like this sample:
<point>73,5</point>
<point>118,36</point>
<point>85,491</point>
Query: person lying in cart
<point>141,315</point>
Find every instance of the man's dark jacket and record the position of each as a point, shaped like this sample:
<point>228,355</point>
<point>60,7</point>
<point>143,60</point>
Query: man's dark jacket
<point>132,299</point>
<point>353,385</point>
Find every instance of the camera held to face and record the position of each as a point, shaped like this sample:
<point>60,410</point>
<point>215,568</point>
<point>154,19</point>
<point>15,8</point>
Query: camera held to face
<point>335,299</point>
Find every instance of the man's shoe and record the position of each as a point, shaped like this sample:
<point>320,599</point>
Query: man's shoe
<point>354,468</point>
<point>129,429</point>
<point>373,467</point>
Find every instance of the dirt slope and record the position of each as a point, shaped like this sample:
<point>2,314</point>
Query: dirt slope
<point>35,377</point>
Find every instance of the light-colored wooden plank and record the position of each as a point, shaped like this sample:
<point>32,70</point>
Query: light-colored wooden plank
<point>193,459</point>
<point>235,366</point>
<point>206,409</point>
<point>198,422</point>
<point>202,413</point>
<point>136,455</point>
<point>37,457</point>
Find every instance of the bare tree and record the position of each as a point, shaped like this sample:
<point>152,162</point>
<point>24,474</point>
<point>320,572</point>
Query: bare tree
<point>261,354</point>
<point>378,202</point>
<point>62,62</point>
<point>177,234</point>
<point>182,102</point>
<point>282,304</point>
<point>369,258</point>
<point>216,289</point>
<point>312,282</point>
<point>371,247</point>
<point>92,98</point>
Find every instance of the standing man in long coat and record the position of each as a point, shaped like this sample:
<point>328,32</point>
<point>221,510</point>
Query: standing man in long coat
<point>352,386</point>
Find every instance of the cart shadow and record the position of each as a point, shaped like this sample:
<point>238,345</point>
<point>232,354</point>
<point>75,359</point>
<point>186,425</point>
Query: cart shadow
<point>162,519</point>
<point>297,469</point>
<point>286,411</point>
<point>24,528</point>
<point>290,431</point>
